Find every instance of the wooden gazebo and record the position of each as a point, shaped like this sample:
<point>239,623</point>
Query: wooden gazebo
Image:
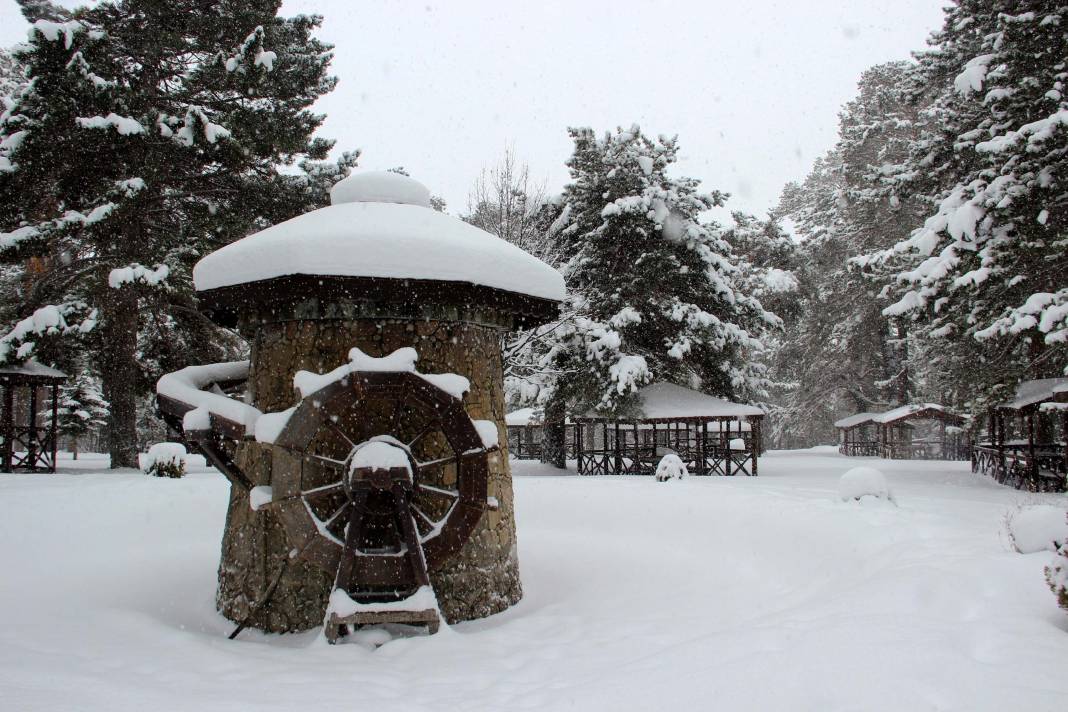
<point>711,435</point>
<point>1021,448</point>
<point>526,435</point>
<point>27,444</point>
<point>858,435</point>
<point>893,434</point>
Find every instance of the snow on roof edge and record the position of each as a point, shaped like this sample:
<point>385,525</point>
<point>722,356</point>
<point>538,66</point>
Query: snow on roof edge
<point>668,401</point>
<point>393,241</point>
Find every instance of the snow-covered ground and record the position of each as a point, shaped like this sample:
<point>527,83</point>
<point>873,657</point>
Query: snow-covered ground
<point>761,593</point>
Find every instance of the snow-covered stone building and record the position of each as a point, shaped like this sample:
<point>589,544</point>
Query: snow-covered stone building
<point>400,308</point>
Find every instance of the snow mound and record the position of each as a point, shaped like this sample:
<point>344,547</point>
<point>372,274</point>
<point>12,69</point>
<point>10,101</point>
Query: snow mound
<point>187,386</point>
<point>401,361</point>
<point>342,605</point>
<point>380,455</point>
<point>671,467</point>
<point>165,460</point>
<point>863,482</point>
<point>488,433</point>
<point>1042,527</point>
<point>259,497</point>
<point>380,187</point>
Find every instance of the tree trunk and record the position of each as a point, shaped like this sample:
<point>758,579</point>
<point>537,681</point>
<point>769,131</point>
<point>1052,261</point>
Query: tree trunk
<point>118,369</point>
<point>554,446</point>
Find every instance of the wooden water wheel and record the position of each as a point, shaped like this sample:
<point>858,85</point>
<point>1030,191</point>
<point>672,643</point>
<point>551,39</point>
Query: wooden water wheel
<point>379,478</point>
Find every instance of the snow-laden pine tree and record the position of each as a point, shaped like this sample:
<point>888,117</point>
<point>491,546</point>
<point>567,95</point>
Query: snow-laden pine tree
<point>987,267</point>
<point>82,408</point>
<point>654,291</point>
<point>843,355</point>
<point>149,134</point>
<point>767,259</point>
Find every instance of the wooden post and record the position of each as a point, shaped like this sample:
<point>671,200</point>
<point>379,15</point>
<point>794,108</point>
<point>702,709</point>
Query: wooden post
<point>8,426</point>
<point>727,442</point>
<point>615,448</point>
<point>31,437</point>
<point>577,437</point>
<point>579,446</point>
<point>1000,430</point>
<point>637,444</point>
<point>1064,433</point>
<point>1033,463</point>
<point>702,451</point>
<point>604,443</point>
<point>756,431</point>
<point>55,425</point>
<point>942,434</point>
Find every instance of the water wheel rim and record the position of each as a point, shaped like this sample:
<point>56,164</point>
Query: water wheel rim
<point>441,538</point>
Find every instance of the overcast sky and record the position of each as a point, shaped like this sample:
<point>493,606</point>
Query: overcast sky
<point>751,87</point>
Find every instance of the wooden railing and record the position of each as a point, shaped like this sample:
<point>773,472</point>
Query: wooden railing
<point>1013,465</point>
<point>643,459</point>
<point>923,450</point>
<point>863,448</point>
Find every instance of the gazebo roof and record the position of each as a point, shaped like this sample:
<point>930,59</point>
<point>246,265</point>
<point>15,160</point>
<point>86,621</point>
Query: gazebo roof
<point>854,420</point>
<point>667,401</point>
<point>1038,391</point>
<point>31,372</point>
<point>904,412</point>
<point>916,410</point>
<point>524,417</point>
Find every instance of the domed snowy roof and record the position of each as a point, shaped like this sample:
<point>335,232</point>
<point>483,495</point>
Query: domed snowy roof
<point>379,225</point>
<point>380,187</point>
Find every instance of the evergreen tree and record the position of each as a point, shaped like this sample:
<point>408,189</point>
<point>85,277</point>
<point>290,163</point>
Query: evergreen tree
<point>653,292</point>
<point>985,270</point>
<point>82,408</point>
<point>843,355</point>
<point>151,133</point>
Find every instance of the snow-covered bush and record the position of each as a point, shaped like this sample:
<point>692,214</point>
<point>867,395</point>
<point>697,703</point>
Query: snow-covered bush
<point>864,482</point>
<point>671,467</point>
<point>165,460</point>
<point>1040,527</point>
<point>1057,576</point>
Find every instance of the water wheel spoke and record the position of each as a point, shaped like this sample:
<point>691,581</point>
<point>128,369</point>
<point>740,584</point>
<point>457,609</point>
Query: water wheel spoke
<point>325,489</point>
<point>440,461</point>
<point>334,426</point>
<point>336,514</point>
<point>307,494</point>
<point>431,489</point>
<point>424,516</point>
<point>434,425</point>
<point>331,462</point>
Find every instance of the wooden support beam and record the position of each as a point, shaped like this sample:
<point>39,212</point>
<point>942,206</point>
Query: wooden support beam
<point>31,436</point>
<point>1032,462</point>
<point>7,428</point>
<point>55,425</point>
